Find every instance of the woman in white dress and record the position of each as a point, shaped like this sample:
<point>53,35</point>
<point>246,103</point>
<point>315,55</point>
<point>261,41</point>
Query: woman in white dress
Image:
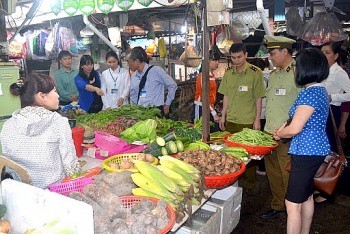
<point>115,83</point>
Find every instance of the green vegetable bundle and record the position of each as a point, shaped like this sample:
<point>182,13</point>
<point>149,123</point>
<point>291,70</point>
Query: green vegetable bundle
<point>98,120</point>
<point>188,135</point>
<point>237,152</point>
<point>252,137</point>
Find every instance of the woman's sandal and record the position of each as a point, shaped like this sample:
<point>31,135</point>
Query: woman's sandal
<point>318,199</point>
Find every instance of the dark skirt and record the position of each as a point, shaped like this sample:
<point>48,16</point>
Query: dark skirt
<point>301,178</point>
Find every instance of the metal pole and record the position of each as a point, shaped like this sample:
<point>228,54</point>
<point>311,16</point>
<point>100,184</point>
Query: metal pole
<point>205,75</point>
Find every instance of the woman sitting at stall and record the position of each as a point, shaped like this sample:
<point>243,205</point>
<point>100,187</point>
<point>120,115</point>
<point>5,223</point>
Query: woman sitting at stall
<point>310,144</point>
<point>89,86</point>
<point>36,137</point>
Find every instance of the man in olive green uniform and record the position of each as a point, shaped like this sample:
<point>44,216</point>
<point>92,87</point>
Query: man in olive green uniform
<point>243,87</point>
<point>280,95</point>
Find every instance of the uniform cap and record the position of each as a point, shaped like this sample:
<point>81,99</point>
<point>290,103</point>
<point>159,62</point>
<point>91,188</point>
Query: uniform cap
<point>278,42</point>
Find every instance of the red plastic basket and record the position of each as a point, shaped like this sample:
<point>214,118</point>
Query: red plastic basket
<point>68,187</point>
<point>130,201</point>
<point>222,181</point>
<point>251,149</point>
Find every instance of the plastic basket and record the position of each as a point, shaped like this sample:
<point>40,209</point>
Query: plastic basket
<point>251,149</point>
<point>130,201</point>
<point>222,181</point>
<point>68,187</point>
<point>118,158</point>
<point>112,144</point>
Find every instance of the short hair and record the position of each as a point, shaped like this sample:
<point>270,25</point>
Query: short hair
<point>236,48</point>
<point>63,53</point>
<point>86,60</point>
<point>112,54</point>
<point>311,66</point>
<point>139,53</point>
<point>33,84</point>
<point>214,55</point>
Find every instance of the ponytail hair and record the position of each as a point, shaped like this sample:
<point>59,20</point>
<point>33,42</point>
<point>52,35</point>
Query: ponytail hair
<point>32,85</point>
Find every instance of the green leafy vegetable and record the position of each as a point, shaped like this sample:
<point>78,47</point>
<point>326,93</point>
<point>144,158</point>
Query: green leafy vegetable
<point>144,131</point>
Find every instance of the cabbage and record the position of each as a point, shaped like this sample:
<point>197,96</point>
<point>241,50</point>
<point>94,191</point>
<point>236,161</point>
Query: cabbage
<point>144,131</point>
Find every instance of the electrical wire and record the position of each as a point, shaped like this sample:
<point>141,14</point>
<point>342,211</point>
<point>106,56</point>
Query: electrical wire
<point>96,21</point>
<point>8,21</point>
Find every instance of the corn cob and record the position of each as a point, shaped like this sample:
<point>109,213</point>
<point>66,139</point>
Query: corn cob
<point>142,192</point>
<point>157,176</point>
<point>184,166</point>
<point>149,185</point>
<point>176,177</point>
<point>174,167</point>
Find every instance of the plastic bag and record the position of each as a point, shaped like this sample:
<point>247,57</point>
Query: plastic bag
<point>190,57</point>
<point>238,30</point>
<point>322,28</point>
<point>161,48</point>
<point>294,22</point>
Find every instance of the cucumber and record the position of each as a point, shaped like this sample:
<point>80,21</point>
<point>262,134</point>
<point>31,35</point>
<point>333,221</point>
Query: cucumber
<point>171,147</point>
<point>170,137</point>
<point>157,143</point>
<point>156,152</point>
<point>179,145</point>
<point>164,151</point>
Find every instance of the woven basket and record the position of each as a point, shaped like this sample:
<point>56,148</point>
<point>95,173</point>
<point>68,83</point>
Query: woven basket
<point>118,158</point>
<point>251,149</point>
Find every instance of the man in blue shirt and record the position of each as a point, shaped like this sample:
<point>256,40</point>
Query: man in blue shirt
<point>153,80</point>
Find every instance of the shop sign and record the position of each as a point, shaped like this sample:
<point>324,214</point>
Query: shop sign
<point>87,6</point>
<point>124,4</point>
<point>70,6</point>
<point>105,6</point>
<point>145,3</point>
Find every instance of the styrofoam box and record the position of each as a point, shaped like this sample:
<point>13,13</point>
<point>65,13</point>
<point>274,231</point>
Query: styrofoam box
<point>32,207</point>
<point>235,218</point>
<point>205,220</point>
<point>228,201</point>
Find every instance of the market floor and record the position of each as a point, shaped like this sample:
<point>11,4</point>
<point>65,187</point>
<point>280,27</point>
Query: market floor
<point>328,218</point>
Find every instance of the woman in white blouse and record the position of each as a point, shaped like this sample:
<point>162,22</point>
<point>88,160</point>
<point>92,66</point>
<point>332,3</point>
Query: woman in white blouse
<point>115,83</point>
<point>338,89</point>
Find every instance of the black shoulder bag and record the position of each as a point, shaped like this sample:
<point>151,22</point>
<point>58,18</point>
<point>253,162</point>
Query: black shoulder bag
<point>142,83</point>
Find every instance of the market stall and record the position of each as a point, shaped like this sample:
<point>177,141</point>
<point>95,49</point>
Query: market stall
<point>140,172</point>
